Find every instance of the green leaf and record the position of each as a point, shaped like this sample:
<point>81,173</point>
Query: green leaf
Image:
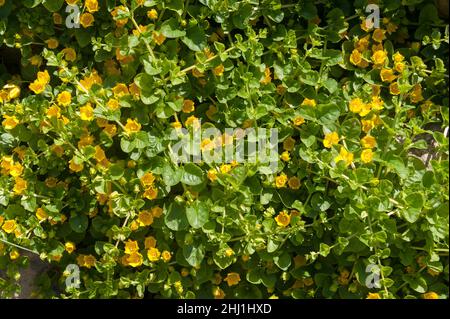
<point>116,171</point>
<point>192,175</point>
<point>283,261</point>
<point>324,249</point>
<point>175,218</point>
<point>195,38</point>
<point>171,29</point>
<point>79,223</point>
<point>194,254</point>
<point>197,214</point>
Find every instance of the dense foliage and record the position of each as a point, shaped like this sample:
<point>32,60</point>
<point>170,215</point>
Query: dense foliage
<point>362,181</point>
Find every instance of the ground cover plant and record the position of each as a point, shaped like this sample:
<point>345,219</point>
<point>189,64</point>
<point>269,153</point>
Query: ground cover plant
<point>356,207</point>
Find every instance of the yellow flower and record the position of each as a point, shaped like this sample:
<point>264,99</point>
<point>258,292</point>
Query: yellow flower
<point>285,156</point>
<point>375,104</point>
<point>430,295</point>
<point>225,168</point>
<point>394,89</point>
<point>362,44</point>
<point>176,125</point>
<point>399,66</point>
<point>387,75</point>
<point>37,87</point>
<point>131,246</point>
<point>283,219</point>
<point>91,5</point>
<point>166,256</point>
<point>368,141</point>
<point>366,156</point>
<point>367,125</point>
<point>218,70</point>
<point>9,226</point>
<point>331,139</point>
<point>150,193</point>
<point>57,18</point>
<point>379,57</point>
<point>281,180</point>
<point>158,37</point>
<point>398,57</point>
<point>75,167</point>
<point>134,259</point>
<point>71,2</point>
<point>145,218</point>
<point>267,78</point>
<point>132,126</point>
<point>69,54</point>
<point>192,120</point>
<point>218,293</point>
<point>298,121</point>
<point>345,156</point>
<point>10,122</point>
<point>110,130</point>
<point>134,90</point>
<point>355,105</point>
<point>294,182</point>
<point>232,279</point>
<point>366,108</point>
<point>152,14</point>
<point>374,295</point>
<point>120,89</point>
<point>288,144</point>
<point>148,179</point>
<point>157,211</point>
<point>14,255</point>
<point>52,43</point>
<point>86,20</point>
<point>309,102</point>
<point>416,94</point>
<point>87,112</point>
<point>378,35</point>
<point>153,254</point>
<point>53,111</point>
<point>64,98</point>
<point>355,57</point>
<point>150,242</point>
<point>41,214</point>
<point>229,252</point>
<point>87,261</point>
<point>188,106</point>
<point>212,174</point>
<point>69,247</point>
<point>16,170</point>
<point>99,154</point>
<point>20,185</point>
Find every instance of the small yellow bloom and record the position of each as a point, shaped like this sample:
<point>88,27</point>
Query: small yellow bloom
<point>399,67</point>
<point>10,122</point>
<point>150,193</point>
<point>14,255</point>
<point>52,43</point>
<point>225,168</point>
<point>64,98</point>
<point>373,295</point>
<point>355,57</point>
<point>153,254</point>
<point>69,247</point>
<point>145,218</point>
<point>132,126</point>
<point>387,75</point>
<point>53,111</point>
<point>430,295</point>
<point>157,211</point>
<point>281,180</point>
<point>152,14</point>
<point>41,214</point>
<point>188,106</point>
<point>134,259</point>
<point>91,5</point>
<point>131,246</point>
<point>9,226</point>
<point>158,37</point>
<point>368,141</point>
<point>87,112</point>
<point>309,102</point>
<point>378,35</point>
<point>398,57</point>
<point>267,76</point>
<point>331,139</point>
<point>394,89</point>
<point>298,121</point>
<point>20,185</point>
<point>294,182</point>
<point>75,167</point>
<point>283,219</point>
<point>232,279</point>
<point>69,54</point>
<point>212,174</point>
<point>218,70</point>
<point>166,256</point>
<point>366,156</point>
<point>120,89</point>
<point>192,121</point>
<point>148,179</point>
<point>285,156</point>
<point>355,105</point>
<point>150,242</point>
<point>379,57</point>
<point>86,20</point>
<point>345,156</point>
<point>218,293</point>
